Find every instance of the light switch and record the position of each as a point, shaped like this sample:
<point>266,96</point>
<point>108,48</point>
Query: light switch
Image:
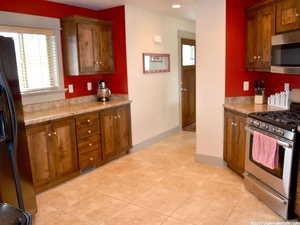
<point>246,86</point>
<point>89,86</point>
<point>71,88</point>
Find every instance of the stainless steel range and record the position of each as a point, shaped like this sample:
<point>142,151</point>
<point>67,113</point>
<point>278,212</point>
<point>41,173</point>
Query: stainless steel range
<point>276,187</point>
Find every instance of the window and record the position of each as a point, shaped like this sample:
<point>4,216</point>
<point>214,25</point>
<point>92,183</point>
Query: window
<point>188,55</point>
<point>37,61</point>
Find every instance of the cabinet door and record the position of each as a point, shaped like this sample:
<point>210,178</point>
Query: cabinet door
<point>124,129</point>
<point>108,120</point>
<point>228,136</point>
<point>265,32</point>
<point>252,40</point>
<point>237,162</point>
<point>41,158</point>
<point>106,49</point>
<point>64,147</point>
<point>287,15</point>
<point>86,51</point>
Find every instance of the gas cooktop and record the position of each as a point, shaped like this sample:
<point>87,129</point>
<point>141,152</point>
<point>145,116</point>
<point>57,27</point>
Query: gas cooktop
<point>285,119</point>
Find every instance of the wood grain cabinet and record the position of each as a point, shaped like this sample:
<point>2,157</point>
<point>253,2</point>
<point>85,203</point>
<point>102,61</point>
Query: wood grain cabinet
<point>52,149</point>
<point>287,15</point>
<point>235,140</point>
<point>115,131</point>
<point>88,138</point>
<point>87,46</point>
<point>260,28</point>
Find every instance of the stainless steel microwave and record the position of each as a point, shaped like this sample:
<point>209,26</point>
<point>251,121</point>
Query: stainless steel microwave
<point>285,54</point>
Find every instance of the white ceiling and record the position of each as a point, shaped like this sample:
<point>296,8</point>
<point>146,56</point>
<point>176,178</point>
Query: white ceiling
<point>187,11</point>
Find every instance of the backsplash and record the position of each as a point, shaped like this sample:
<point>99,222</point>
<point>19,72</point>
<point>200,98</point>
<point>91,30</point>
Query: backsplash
<point>241,99</point>
<point>65,102</point>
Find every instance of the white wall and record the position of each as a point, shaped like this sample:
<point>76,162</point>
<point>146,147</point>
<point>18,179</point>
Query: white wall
<point>155,107</point>
<point>211,37</point>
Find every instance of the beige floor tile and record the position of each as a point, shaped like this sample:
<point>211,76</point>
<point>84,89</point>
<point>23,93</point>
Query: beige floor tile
<point>162,200</point>
<point>172,221</point>
<point>133,215</point>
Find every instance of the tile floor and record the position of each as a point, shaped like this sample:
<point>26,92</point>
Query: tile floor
<point>161,185</point>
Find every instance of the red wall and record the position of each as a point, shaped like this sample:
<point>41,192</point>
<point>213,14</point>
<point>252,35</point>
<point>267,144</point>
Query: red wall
<point>236,50</point>
<point>117,81</point>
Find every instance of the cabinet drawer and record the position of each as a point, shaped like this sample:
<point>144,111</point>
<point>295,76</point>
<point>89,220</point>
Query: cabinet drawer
<point>87,131</point>
<point>87,120</point>
<point>88,159</point>
<point>89,144</point>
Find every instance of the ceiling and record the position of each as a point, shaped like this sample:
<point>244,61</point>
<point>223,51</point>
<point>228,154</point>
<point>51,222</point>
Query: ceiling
<point>187,11</point>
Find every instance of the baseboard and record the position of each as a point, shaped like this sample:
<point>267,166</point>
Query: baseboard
<point>154,140</point>
<point>211,160</point>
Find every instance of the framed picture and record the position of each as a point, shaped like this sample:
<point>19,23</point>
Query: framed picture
<point>156,63</point>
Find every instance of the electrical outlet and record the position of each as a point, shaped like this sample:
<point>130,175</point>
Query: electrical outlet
<point>246,86</point>
<point>89,86</point>
<point>71,88</point>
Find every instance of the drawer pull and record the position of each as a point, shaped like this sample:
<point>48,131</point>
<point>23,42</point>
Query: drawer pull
<point>91,159</point>
<point>54,133</point>
<point>49,134</point>
<point>90,144</point>
<point>89,131</point>
<point>89,121</point>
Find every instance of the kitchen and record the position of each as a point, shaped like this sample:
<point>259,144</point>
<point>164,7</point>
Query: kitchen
<point>66,134</point>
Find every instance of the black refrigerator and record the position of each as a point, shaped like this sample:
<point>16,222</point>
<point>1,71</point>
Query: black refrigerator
<point>16,186</point>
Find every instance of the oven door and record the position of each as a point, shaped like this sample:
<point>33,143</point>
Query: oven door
<point>279,178</point>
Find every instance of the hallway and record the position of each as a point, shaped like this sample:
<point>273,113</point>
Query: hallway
<point>160,185</point>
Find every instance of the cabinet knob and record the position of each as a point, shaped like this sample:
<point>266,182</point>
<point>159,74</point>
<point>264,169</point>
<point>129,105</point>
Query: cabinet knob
<point>90,144</point>
<point>91,159</point>
<point>89,121</point>
<point>119,116</point>
<point>255,57</point>
<point>54,133</point>
<point>115,117</point>
<point>89,131</point>
<point>49,134</point>
<point>297,15</point>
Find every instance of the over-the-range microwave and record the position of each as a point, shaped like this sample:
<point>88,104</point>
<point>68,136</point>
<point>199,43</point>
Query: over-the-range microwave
<point>285,54</point>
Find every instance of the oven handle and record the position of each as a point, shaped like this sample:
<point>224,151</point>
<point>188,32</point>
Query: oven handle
<point>279,142</point>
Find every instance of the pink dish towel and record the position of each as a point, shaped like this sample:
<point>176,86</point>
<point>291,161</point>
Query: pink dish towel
<point>265,150</point>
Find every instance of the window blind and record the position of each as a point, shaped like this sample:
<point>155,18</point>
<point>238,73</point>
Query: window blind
<point>36,57</point>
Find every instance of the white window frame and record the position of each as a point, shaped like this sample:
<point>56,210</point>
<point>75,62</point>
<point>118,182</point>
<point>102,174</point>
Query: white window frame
<point>28,22</point>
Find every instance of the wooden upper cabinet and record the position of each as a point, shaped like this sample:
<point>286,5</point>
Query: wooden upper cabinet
<point>287,15</point>
<point>260,28</point>
<point>64,145</point>
<point>87,46</point>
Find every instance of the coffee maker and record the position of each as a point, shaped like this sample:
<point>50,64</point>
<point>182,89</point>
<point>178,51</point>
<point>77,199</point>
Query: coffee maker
<point>103,93</point>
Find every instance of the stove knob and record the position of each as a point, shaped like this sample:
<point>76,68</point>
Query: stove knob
<point>279,132</point>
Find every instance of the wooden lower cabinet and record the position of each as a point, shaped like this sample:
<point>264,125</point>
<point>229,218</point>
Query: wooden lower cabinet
<point>235,140</point>
<point>115,131</point>
<point>61,149</point>
<point>53,154</point>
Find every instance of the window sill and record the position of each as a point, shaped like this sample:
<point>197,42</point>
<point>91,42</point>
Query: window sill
<point>41,96</point>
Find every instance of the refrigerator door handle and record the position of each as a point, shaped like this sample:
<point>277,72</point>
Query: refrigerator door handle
<point>12,144</point>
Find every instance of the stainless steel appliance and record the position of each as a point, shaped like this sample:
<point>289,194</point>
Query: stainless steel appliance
<point>276,187</point>
<point>103,93</point>
<point>16,186</point>
<point>285,55</point>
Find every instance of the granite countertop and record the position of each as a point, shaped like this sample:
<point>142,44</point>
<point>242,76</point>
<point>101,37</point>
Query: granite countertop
<point>36,117</point>
<point>247,108</point>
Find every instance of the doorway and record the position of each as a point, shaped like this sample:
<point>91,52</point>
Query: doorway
<point>188,84</point>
